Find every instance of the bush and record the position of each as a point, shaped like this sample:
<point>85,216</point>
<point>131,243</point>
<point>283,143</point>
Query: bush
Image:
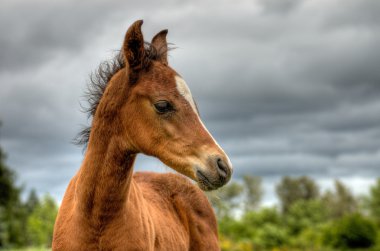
<point>351,231</point>
<point>262,229</point>
<point>233,229</point>
<point>270,236</point>
<point>259,218</point>
<point>308,239</point>
<point>304,214</point>
<point>230,245</point>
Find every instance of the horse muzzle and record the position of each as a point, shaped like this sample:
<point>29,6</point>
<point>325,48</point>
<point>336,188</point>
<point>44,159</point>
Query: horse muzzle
<point>216,175</point>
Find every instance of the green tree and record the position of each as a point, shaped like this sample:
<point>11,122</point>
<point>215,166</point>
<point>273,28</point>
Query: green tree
<point>351,231</point>
<point>8,189</point>
<point>22,223</point>
<point>41,222</point>
<point>32,202</point>
<point>290,190</point>
<point>265,228</point>
<point>257,219</point>
<point>270,236</point>
<point>374,201</point>
<point>340,202</point>
<point>260,228</point>
<point>253,192</point>
<point>304,214</point>
<point>12,212</point>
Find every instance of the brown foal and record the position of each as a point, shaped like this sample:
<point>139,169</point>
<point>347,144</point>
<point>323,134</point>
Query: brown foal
<point>143,106</point>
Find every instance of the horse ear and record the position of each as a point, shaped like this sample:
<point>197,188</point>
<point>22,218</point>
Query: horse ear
<point>133,47</point>
<point>160,44</point>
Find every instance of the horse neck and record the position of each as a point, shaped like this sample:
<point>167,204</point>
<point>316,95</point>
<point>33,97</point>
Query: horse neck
<point>104,180</point>
<point>105,177</point>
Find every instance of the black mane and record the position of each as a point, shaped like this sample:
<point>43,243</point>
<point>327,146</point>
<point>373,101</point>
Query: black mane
<point>99,80</point>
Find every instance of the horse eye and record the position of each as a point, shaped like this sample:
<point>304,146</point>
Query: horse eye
<point>163,107</point>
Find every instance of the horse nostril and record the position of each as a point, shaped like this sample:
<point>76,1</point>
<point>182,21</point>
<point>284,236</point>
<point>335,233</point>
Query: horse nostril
<point>222,168</point>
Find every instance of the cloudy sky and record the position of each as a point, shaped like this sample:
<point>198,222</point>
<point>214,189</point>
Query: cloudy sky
<point>287,87</point>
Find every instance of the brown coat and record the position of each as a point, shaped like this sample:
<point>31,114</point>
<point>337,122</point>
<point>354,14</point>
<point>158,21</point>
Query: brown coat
<point>142,106</point>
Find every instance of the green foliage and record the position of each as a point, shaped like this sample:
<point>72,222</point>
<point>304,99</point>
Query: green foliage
<point>258,219</point>
<point>22,224</point>
<point>304,214</point>
<point>306,222</point>
<point>29,249</point>
<point>41,222</point>
<point>234,229</point>
<point>270,236</point>
<point>227,244</point>
<point>309,238</point>
<point>32,202</point>
<point>290,190</point>
<point>374,201</point>
<point>12,213</point>
<point>351,231</point>
<point>340,202</point>
<point>261,229</point>
<point>253,192</point>
<point>8,190</point>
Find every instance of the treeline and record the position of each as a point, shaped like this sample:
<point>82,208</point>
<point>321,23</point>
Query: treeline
<point>23,223</point>
<point>305,218</point>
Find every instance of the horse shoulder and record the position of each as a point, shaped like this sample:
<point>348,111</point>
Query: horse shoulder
<point>64,231</point>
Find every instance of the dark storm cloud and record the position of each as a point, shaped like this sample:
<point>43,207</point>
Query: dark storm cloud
<point>287,87</point>
<point>34,31</point>
<point>23,44</point>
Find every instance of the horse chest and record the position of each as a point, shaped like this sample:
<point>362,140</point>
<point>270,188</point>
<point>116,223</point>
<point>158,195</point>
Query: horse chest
<point>123,233</point>
<point>128,234</point>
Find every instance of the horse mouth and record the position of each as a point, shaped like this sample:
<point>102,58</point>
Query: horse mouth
<point>204,183</point>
